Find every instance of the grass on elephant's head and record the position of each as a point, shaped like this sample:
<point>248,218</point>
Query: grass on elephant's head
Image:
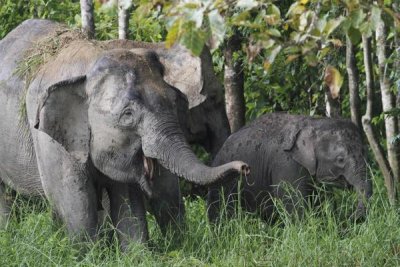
<point>324,237</point>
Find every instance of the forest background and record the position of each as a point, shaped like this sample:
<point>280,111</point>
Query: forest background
<point>337,58</point>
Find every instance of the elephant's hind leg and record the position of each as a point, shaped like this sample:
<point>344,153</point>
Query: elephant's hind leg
<point>4,206</point>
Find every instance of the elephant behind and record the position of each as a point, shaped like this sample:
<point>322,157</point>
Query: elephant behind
<point>91,117</point>
<point>294,149</point>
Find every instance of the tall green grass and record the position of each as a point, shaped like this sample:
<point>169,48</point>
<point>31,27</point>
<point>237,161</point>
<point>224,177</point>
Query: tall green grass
<point>324,237</point>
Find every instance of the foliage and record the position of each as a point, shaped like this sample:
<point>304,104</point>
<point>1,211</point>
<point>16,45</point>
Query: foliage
<point>13,12</point>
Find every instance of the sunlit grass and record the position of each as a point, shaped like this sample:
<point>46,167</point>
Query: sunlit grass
<point>324,237</point>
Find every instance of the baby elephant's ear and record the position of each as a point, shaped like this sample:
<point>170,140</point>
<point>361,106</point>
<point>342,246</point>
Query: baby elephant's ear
<point>63,115</point>
<point>300,143</point>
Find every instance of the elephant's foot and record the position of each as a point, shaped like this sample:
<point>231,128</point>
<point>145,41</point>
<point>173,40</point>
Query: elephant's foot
<point>4,207</point>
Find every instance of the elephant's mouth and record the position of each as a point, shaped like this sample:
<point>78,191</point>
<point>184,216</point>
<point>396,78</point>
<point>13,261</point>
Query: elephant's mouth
<point>336,181</point>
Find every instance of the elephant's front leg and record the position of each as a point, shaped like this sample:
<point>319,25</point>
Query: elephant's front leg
<point>68,185</point>
<point>4,206</point>
<point>128,213</point>
<point>166,202</point>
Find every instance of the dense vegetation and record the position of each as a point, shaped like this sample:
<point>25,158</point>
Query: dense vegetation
<point>325,237</point>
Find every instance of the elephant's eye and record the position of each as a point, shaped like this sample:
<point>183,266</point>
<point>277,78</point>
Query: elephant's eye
<point>340,160</point>
<point>126,117</point>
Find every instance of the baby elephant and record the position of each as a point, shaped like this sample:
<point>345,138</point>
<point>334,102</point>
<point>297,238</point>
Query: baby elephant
<point>293,150</point>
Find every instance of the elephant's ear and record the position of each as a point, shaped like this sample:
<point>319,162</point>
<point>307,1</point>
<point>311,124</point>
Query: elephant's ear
<point>183,71</point>
<point>301,145</point>
<point>62,114</point>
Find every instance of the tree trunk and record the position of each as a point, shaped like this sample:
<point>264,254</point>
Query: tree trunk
<point>396,8</point>
<point>234,84</point>
<point>123,19</point>
<point>332,105</point>
<point>387,101</point>
<point>87,12</point>
<point>366,121</point>
<point>353,78</point>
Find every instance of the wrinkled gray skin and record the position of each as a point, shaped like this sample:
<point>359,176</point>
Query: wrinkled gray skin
<point>96,117</point>
<point>294,149</point>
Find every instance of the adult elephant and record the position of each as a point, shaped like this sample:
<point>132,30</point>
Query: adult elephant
<point>95,117</point>
<point>293,150</point>
<point>206,123</point>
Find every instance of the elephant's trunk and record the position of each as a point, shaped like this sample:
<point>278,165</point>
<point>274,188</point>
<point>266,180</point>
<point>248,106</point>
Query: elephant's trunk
<point>364,192</point>
<point>363,187</point>
<point>164,141</point>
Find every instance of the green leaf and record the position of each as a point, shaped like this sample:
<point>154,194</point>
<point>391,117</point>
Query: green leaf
<point>366,28</point>
<point>240,18</point>
<point>346,24</point>
<point>295,9</point>
<point>352,4</point>
<point>193,39</point>
<point>388,2</point>
<point>311,59</point>
<point>292,50</point>
<point>273,10</point>
<point>273,15</point>
<point>376,13</point>
<point>173,33</point>
<point>357,17</point>
<point>273,32</point>
<point>309,46</point>
<point>354,35</point>
<point>331,25</point>
<point>323,52</point>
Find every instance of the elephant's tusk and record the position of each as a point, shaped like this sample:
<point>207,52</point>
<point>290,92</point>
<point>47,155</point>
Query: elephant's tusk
<point>148,167</point>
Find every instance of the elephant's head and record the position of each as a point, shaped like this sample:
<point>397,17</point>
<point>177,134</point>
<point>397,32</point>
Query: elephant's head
<point>207,123</point>
<point>331,150</point>
<point>119,111</point>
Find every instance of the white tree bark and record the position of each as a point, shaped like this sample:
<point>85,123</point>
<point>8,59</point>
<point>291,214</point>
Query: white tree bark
<point>352,73</point>
<point>123,18</point>
<point>87,16</point>
<point>396,8</point>
<point>377,150</point>
<point>387,101</point>
<point>332,105</point>
<point>234,85</point>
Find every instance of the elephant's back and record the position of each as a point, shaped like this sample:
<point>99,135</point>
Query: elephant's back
<point>16,43</point>
<point>247,145</point>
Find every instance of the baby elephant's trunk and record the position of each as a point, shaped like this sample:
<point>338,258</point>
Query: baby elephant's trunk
<point>364,191</point>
